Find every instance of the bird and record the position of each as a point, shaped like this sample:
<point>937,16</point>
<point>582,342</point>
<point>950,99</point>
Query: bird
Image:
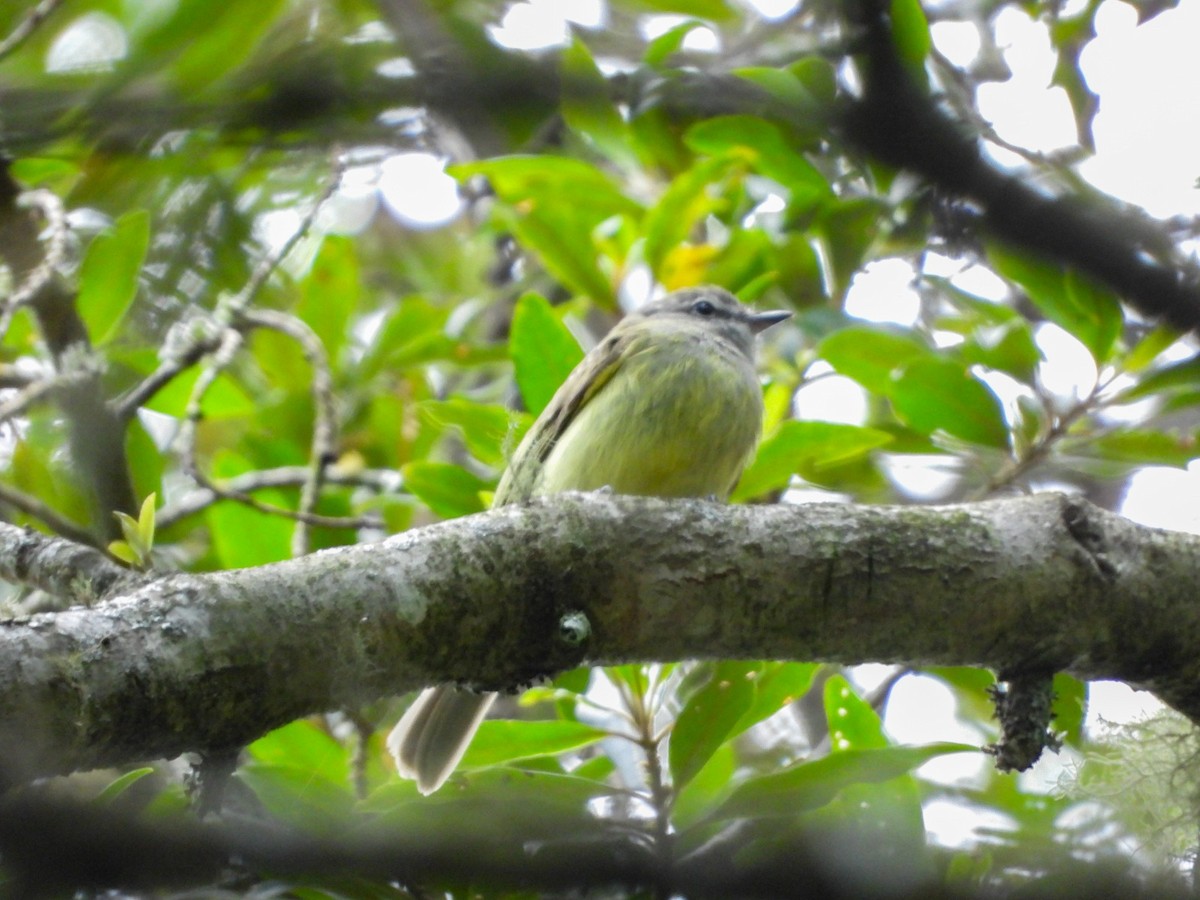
<point>668,404</point>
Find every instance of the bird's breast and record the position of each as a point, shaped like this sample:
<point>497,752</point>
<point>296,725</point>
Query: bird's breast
<point>679,418</point>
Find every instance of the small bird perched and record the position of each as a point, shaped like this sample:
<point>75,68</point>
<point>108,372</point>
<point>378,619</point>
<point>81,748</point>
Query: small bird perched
<point>667,405</point>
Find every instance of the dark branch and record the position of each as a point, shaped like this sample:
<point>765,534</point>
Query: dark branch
<point>898,123</point>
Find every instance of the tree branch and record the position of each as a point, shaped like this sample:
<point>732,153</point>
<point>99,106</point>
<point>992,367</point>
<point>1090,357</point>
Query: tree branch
<point>205,662</point>
<point>899,124</point>
<point>60,567</point>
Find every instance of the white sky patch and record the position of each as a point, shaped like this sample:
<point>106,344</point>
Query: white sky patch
<point>1112,704</point>
<point>922,708</point>
<point>828,397</point>
<point>1025,110</point>
<point>353,205</point>
<point>1147,130</point>
<point>1165,498</point>
<point>1068,370</point>
<point>765,212</point>
<point>1006,388</point>
<point>94,42</point>
<point>539,24</point>
<point>981,282</point>
<point>958,41</point>
<point>772,9</point>
<point>698,40</point>
<point>883,292</point>
<point>1045,775</point>
<point>925,477</point>
<point>952,824</point>
<point>529,26</point>
<point>417,190</point>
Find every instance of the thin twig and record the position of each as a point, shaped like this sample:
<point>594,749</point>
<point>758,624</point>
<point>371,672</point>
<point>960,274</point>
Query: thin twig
<point>325,424</point>
<point>641,711</point>
<point>237,316</point>
<point>127,405</point>
<point>55,521</point>
<point>229,315</point>
<point>27,26</point>
<point>378,480</point>
<point>230,344</point>
<point>36,391</point>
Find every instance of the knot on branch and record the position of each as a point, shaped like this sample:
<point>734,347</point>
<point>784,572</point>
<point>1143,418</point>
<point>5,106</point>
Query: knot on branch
<point>1024,708</point>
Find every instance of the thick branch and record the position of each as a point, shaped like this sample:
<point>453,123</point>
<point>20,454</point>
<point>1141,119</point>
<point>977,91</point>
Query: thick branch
<point>97,437</point>
<point>211,661</point>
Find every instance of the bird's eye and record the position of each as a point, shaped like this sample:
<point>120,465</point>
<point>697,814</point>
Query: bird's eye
<point>703,308</point>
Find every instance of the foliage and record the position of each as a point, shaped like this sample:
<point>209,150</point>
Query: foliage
<point>276,346</point>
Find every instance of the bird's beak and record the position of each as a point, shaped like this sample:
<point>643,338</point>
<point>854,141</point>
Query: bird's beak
<point>760,322</point>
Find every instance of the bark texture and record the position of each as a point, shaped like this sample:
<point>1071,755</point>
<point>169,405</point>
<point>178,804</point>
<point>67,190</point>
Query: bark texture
<point>208,662</point>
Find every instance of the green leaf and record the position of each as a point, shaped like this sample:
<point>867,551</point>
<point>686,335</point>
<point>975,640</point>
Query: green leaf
<point>448,490</point>
<point>707,787</point>
<point>732,698</point>
<point>305,746</point>
<point>588,109</point>
<point>124,552</point>
<point>1145,447</point>
<point>555,205</point>
<point>301,797</point>
<point>685,202</point>
<point>780,83</point>
<point>146,460</point>
<point>853,724</point>
<point>575,680</point>
<point>800,446</point>
<point>243,537</point>
<point>507,740</point>
<point>485,427</point>
<point>122,783</point>
<point>1147,349</point>
<point>217,40</point>
<point>139,535</point>
<point>910,32</point>
<point>716,10</point>
<point>709,717</point>
<point>496,811</point>
<point>303,777</point>
<point>669,42</point>
<point>932,394</point>
<point>1070,34</point>
<point>776,685</point>
<point>145,522</point>
<point>1089,312</point>
<point>818,77</point>
<point>224,398</point>
<point>1006,348</point>
<point>543,351</point>
<point>331,291</point>
<point>764,147</point>
<point>809,785</point>
<point>1184,375</point>
<point>847,228</point>
<point>58,175</point>
<point>871,356</point>
<point>108,275</point>
<point>1070,707</point>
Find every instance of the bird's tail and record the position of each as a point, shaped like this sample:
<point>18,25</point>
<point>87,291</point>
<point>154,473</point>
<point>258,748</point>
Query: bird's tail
<point>434,733</point>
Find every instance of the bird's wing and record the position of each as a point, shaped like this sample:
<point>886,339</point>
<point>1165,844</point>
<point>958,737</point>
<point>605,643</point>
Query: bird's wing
<point>584,382</point>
